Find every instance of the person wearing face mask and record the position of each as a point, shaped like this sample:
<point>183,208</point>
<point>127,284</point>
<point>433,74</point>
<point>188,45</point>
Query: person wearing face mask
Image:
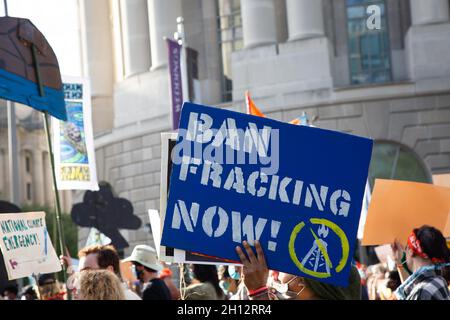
<point>284,286</point>
<point>242,292</point>
<point>146,268</point>
<point>423,266</point>
<point>227,283</point>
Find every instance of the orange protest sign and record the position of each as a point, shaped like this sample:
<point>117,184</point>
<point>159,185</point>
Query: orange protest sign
<point>397,207</point>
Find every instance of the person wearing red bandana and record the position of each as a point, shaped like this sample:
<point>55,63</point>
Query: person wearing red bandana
<point>423,266</point>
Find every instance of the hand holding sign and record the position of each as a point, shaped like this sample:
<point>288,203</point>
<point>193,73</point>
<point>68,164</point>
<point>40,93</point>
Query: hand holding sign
<point>398,251</point>
<point>254,267</point>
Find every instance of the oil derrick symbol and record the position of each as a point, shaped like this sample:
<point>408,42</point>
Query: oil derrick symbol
<point>317,258</point>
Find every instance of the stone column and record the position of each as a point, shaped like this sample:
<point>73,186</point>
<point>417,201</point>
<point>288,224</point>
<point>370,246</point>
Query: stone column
<point>162,16</point>
<point>429,33</point>
<point>429,11</point>
<point>98,59</point>
<point>305,19</point>
<point>97,45</point>
<point>258,22</point>
<point>38,178</point>
<point>135,36</point>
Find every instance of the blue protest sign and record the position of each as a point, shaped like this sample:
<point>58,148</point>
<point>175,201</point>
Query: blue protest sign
<point>22,73</point>
<point>296,189</point>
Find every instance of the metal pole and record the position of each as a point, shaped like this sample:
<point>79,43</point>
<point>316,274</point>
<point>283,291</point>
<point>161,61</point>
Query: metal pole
<point>12,148</point>
<point>181,37</point>
<point>52,163</point>
<point>13,155</point>
<point>5,6</point>
<point>12,145</point>
<point>13,160</point>
<point>57,200</point>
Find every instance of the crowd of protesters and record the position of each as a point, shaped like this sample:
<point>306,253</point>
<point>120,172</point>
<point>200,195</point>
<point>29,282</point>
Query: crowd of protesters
<point>420,272</point>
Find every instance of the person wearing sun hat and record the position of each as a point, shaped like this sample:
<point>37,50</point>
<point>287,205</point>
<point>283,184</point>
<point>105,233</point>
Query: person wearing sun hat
<point>146,268</point>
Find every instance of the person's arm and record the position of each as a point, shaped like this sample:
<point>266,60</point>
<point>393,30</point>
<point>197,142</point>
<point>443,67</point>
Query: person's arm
<point>255,271</point>
<point>66,262</point>
<point>402,272</point>
<point>398,250</point>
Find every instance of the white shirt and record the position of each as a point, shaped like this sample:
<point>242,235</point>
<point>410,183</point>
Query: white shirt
<point>130,294</point>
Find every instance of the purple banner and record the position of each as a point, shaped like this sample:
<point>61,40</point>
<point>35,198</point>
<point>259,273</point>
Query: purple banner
<point>176,87</point>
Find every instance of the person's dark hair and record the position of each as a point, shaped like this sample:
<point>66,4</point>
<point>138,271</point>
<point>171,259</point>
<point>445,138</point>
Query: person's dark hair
<point>223,273</point>
<point>393,280</point>
<point>106,256</point>
<point>433,243</point>
<point>327,291</point>
<point>46,278</point>
<point>29,290</point>
<point>208,273</point>
<point>12,289</point>
<point>137,264</point>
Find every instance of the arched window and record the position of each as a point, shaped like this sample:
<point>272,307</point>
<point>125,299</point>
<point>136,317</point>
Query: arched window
<point>392,160</point>
<point>369,50</point>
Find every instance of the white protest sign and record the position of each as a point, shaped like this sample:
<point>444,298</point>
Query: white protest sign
<point>155,224</point>
<point>168,141</point>
<point>73,140</point>
<point>26,245</point>
<point>96,237</point>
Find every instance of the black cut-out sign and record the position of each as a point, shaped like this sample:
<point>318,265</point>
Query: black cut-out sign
<point>101,210</point>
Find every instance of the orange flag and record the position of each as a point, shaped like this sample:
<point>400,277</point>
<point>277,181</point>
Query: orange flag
<point>251,107</point>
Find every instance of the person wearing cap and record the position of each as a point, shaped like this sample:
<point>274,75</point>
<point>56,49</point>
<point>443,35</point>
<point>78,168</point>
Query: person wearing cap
<point>49,287</point>
<point>146,268</point>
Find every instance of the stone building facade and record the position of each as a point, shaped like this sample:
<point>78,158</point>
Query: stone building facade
<point>35,179</point>
<point>320,57</point>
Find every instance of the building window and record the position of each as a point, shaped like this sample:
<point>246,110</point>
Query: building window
<point>27,164</point>
<point>391,160</point>
<point>230,39</point>
<point>369,50</point>
<point>29,191</point>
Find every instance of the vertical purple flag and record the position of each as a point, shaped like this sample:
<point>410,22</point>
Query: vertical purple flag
<point>176,87</point>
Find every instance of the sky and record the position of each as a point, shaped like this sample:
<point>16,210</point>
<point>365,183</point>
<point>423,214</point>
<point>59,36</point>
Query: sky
<point>58,20</point>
